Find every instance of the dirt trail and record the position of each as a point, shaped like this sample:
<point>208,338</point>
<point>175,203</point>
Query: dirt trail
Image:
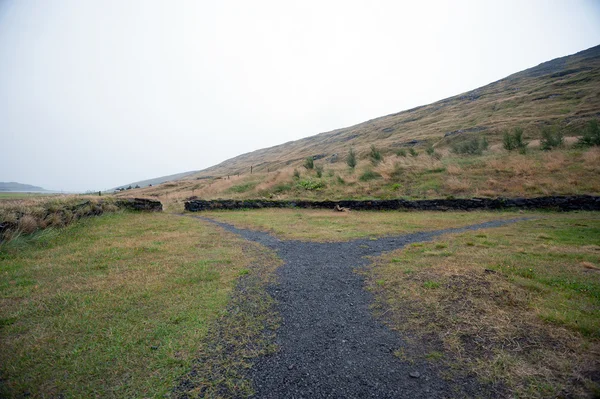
<point>330,343</point>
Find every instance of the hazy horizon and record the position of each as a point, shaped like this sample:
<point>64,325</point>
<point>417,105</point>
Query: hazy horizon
<point>98,95</point>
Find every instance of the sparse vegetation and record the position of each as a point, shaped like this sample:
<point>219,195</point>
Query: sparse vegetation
<point>310,185</point>
<point>401,152</point>
<point>319,171</point>
<point>413,152</point>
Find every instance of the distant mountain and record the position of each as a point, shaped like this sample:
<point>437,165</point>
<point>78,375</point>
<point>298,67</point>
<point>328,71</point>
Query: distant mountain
<point>18,187</point>
<point>157,180</point>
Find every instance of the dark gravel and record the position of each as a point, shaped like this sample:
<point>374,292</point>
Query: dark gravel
<point>331,346</point>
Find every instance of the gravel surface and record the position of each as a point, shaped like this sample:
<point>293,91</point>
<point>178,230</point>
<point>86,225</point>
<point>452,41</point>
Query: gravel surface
<point>331,346</point>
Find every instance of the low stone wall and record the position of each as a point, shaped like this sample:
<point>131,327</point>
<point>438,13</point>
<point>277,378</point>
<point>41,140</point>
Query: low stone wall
<point>560,203</point>
<point>140,204</point>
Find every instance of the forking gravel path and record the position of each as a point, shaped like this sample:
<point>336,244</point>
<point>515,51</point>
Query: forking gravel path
<point>330,344</point>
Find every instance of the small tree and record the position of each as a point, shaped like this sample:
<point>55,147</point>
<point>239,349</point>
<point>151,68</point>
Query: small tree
<point>351,158</point>
<point>514,141</point>
<point>591,135</point>
<point>551,138</point>
<point>309,163</point>
<point>375,155</point>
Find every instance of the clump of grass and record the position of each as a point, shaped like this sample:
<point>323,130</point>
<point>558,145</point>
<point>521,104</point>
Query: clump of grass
<point>319,171</point>
<point>413,152</point>
<point>369,175</point>
<point>401,152</point>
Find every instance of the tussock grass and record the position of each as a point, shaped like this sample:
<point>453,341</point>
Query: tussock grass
<point>519,306</point>
<point>113,306</point>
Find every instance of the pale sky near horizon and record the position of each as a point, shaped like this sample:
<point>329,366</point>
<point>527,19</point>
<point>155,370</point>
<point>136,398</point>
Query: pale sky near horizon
<point>97,94</point>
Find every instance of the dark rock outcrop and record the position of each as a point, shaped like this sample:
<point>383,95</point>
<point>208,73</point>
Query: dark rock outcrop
<point>559,203</point>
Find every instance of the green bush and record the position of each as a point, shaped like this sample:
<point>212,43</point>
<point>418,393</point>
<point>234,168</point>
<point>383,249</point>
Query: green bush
<point>351,158</point>
<point>309,163</point>
<point>401,152</point>
<point>375,155</point>
<point>474,146</point>
<point>514,141</point>
<point>310,185</point>
<point>591,135</point>
<point>552,137</point>
<point>413,152</point>
<point>369,175</point>
<point>430,150</point>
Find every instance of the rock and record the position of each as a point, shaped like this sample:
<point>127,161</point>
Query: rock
<point>415,374</point>
<point>290,367</point>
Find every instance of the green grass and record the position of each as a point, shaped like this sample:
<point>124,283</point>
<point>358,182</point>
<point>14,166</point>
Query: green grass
<point>328,225</point>
<point>112,306</point>
<point>518,305</point>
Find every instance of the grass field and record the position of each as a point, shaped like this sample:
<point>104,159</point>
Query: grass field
<point>15,195</point>
<point>112,306</point>
<point>328,225</point>
<point>518,305</point>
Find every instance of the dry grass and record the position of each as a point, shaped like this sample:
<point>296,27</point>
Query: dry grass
<point>514,305</point>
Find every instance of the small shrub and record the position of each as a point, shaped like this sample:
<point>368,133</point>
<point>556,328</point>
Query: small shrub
<point>309,163</point>
<point>430,150</point>
<point>395,186</point>
<point>319,170</point>
<point>351,158</point>
<point>474,146</point>
<point>340,180</point>
<point>375,155</point>
<point>281,188</point>
<point>310,185</point>
<point>296,174</point>
<point>397,172</point>
<point>552,137</point>
<point>401,152</point>
<point>413,152</point>
<point>369,175</point>
<point>330,173</point>
<point>591,135</point>
<point>514,141</point>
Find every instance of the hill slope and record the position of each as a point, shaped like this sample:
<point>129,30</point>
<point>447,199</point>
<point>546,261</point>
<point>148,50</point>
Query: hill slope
<point>563,94</point>
<point>19,187</point>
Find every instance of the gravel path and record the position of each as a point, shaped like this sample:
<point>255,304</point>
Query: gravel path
<point>331,346</point>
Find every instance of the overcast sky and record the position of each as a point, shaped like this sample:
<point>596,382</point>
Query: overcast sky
<point>96,94</point>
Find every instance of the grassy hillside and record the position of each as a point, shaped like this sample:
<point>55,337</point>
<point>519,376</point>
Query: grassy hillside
<point>19,187</point>
<point>560,96</point>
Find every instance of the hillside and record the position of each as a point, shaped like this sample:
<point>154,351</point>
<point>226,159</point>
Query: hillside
<point>562,95</point>
<point>156,180</point>
<point>18,187</point>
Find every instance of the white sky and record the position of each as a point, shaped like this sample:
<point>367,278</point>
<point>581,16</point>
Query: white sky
<point>95,94</point>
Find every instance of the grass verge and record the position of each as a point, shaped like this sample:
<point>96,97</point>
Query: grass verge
<point>519,306</point>
<point>113,306</point>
